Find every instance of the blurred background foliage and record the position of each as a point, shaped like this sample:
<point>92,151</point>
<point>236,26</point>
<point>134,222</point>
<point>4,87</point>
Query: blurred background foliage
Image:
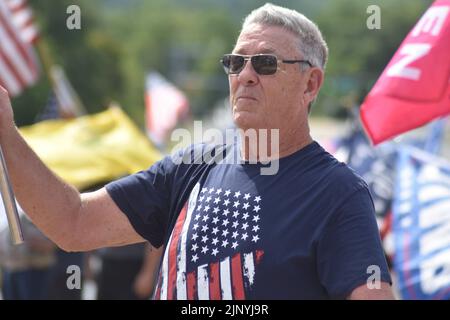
<point>121,40</point>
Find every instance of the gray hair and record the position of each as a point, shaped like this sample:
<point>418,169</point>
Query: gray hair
<point>312,45</point>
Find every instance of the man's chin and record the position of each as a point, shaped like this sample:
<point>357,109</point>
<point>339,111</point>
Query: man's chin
<point>245,120</point>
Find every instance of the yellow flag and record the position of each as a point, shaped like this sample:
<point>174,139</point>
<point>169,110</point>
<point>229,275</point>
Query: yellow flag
<point>92,149</point>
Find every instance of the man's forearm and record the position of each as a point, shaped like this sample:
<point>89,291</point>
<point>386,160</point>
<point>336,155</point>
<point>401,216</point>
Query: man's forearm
<point>50,203</point>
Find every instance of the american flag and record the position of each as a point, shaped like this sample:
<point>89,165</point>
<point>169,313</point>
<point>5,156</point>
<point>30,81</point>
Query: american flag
<point>50,110</point>
<point>22,17</point>
<point>214,247</point>
<point>18,63</point>
<point>165,106</point>
<point>68,102</point>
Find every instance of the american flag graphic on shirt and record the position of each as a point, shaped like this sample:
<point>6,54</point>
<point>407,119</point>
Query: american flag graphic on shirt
<point>213,250</point>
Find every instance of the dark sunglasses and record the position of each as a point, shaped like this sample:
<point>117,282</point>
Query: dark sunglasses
<point>263,64</point>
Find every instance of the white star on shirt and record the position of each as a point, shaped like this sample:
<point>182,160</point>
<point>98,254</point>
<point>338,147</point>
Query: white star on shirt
<point>237,194</point>
<point>204,249</point>
<point>197,216</point>
<point>218,191</point>
<point>245,216</point>
<point>214,252</point>
<point>235,214</point>
<point>235,235</point>
<point>204,190</point>
<point>215,230</point>
<point>199,207</point>
<point>216,210</point>
<point>204,239</point>
<point>255,238</point>
<point>225,233</point>
<point>211,190</point>
<point>195,236</point>
<point>226,212</point>
<point>246,205</point>
<point>226,202</point>
<point>215,220</point>
<point>225,222</point>
<point>255,228</point>
<point>256,218</point>
<point>224,243</point>
<point>227,193</point>
<point>247,195</point>
<point>194,247</point>
<point>216,200</point>
<point>208,199</point>
<point>205,218</point>
<point>245,226</point>
<point>205,228</point>
<point>194,258</point>
<point>234,245</point>
<point>206,209</point>
<point>201,198</point>
<point>235,224</point>
<point>215,240</point>
<point>195,227</point>
<point>245,236</point>
<point>236,204</point>
<point>257,199</point>
<point>256,209</point>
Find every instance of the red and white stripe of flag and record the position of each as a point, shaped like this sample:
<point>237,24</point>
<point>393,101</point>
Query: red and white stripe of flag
<point>18,64</point>
<point>165,106</point>
<point>222,280</point>
<point>22,16</point>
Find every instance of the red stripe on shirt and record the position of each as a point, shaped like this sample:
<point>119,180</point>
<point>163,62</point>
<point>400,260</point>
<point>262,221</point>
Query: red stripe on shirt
<point>237,281</point>
<point>173,251</point>
<point>214,282</point>
<point>191,286</point>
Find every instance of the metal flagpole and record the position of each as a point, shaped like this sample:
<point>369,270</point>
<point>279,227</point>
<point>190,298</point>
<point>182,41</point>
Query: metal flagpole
<point>10,203</point>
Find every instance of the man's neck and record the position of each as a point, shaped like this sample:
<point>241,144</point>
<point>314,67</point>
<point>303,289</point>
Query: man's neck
<point>273,146</point>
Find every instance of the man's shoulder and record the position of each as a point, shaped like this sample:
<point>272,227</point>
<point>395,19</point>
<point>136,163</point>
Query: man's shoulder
<point>341,176</point>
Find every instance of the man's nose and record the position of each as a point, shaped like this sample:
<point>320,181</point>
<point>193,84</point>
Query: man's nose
<point>248,75</point>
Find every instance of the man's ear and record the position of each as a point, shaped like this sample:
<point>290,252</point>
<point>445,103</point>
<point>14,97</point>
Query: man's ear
<point>315,81</point>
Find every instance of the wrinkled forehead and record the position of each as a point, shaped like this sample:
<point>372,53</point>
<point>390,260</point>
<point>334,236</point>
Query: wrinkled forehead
<point>257,38</point>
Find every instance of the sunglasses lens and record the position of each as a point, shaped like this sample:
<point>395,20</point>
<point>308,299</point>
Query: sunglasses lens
<point>233,64</point>
<point>265,64</point>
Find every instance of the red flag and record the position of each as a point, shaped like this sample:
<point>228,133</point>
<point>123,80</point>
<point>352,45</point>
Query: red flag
<point>18,63</point>
<point>165,106</point>
<point>415,86</point>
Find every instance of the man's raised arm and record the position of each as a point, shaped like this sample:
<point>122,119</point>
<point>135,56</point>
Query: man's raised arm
<point>73,221</point>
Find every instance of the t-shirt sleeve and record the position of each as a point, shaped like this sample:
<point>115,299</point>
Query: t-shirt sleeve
<point>144,198</point>
<point>350,248</point>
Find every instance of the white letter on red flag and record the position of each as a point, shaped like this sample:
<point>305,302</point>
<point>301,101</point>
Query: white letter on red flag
<point>415,86</point>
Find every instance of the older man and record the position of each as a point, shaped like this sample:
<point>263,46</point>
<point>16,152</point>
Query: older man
<point>306,232</point>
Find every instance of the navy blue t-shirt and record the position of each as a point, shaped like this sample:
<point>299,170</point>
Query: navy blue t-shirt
<point>306,232</point>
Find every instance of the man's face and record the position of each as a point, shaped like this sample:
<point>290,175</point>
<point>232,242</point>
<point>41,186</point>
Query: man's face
<point>268,101</point>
